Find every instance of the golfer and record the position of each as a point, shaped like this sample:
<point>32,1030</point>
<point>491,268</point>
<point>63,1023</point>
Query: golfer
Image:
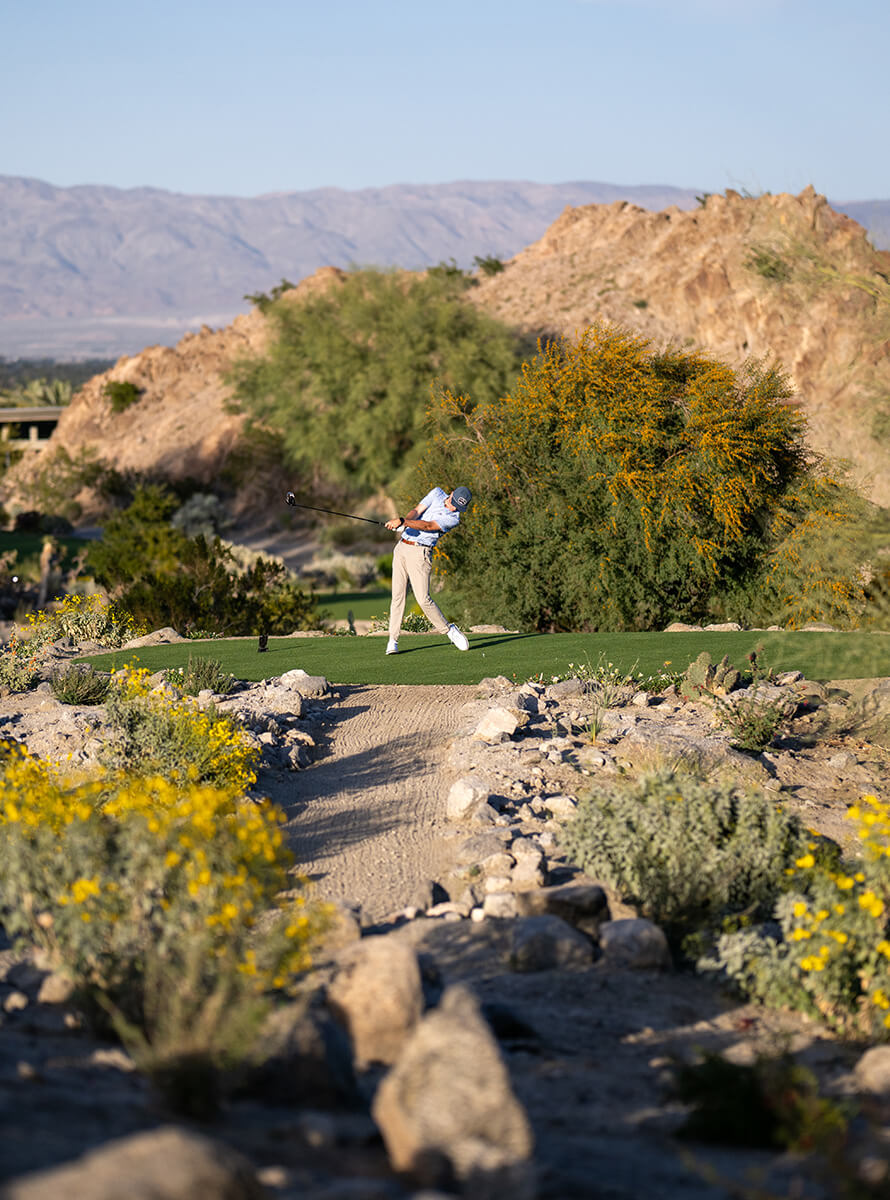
<point>412,560</point>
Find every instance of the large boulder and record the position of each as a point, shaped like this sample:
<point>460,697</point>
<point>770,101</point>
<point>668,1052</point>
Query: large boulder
<point>447,1111</point>
<point>164,1164</point>
<point>377,995</point>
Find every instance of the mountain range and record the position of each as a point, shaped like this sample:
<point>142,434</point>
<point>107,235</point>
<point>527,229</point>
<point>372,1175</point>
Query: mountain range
<point>97,271</point>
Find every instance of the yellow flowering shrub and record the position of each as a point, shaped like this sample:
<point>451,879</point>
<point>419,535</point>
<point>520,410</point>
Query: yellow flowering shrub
<point>83,618</point>
<point>162,899</point>
<point>833,958</point>
<point>154,734</point>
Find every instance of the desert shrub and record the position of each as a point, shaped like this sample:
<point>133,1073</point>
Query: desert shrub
<point>488,265</point>
<point>51,488</point>
<point>153,734</point>
<point>200,674</point>
<point>413,621</point>
<point>617,487</point>
<point>20,664</point>
<point>162,901</point>
<point>163,577</point>
<point>831,958</point>
<point>82,618</point>
<point>347,371</point>
<point>752,720</point>
<point>79,683</point>
<point>772,1101</point>
<point>203,513</point>
<point>121,395</point>
<point>686,852</point>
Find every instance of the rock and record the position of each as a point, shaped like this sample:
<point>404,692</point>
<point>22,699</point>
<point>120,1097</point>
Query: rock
<point>304,685</point>
<point>584,906</point>
<point>680,627</point>
<point>786,678</point>
<point>546,943</point>
<point>634,942</point>
<point>447,1111</point>
<point>817,627</point>
<point>560,806</point>
<point>501,905</point>
<point>872,1071</point>
<point>481,845</point>
<point>164,1164</point>
<point>724,627</point>
<point>464,795</point>
<point>498,725</point>
<point>160,637</point>
<point>564,689</point>
<point>55,989</point>
<point>302,1056</point>
<point>378,996</point>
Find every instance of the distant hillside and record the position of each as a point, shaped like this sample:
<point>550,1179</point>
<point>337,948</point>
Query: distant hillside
<point>100,271</point>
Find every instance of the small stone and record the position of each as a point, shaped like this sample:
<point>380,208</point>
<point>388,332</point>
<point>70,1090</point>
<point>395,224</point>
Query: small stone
<point>498,725</point>
<point>498,864</point>
<point>477,915</point>
<point>640,699</point>
<point>15,1002</point>
<point>497,883</point>
<point>55,989</point>
<point>464,795</point>
<point>634,942</point>
<point>872,1071</point>
<point>561,806</point>
<point>499,904</point>
<point>545,943</point>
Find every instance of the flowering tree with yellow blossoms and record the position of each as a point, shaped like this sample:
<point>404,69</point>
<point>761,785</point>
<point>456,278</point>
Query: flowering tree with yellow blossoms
<point>620,487</point>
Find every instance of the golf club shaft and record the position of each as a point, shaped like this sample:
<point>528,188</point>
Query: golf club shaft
<point>333,513</point>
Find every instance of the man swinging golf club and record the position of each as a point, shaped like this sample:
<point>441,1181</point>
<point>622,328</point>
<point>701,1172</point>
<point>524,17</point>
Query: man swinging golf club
<point>412,560</point>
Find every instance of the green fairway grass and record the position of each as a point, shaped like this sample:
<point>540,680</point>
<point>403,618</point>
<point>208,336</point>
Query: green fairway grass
<point>432,659</point>
<point>336,606</point>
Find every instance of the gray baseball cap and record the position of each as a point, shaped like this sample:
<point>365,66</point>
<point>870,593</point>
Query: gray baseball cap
<point>462,497</point>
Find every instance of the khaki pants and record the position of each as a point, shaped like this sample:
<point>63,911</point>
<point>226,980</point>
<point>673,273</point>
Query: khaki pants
<point>413,564</point>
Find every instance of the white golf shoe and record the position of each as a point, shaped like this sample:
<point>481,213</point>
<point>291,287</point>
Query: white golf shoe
<point>392,647</point>
<point>457,638</point>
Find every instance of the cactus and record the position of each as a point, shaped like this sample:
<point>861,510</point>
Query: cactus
<point>726,677</point>
<point>703,676</point>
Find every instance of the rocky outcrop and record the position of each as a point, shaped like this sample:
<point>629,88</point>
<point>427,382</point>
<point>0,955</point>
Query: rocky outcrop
<point>692,278</point>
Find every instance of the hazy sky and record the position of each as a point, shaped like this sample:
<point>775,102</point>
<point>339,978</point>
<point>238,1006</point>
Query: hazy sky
<point>241,98</point>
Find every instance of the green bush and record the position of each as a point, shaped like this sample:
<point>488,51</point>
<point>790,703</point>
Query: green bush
<point>120,395</point>
<point>200,674</point>
<point>79,683</point>
<point>163,577</point>
<point>347,374</point>
<point>753,721</point>
<point>618,487</point>
<point>686,852</point>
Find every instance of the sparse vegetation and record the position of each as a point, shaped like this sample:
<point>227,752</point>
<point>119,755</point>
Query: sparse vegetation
<point>199,675</point>
<point>79,683</point>
<point>489,265</point>
<point>121,394</point>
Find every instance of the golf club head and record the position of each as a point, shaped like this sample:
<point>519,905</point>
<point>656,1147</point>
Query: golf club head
<point>291,499</point>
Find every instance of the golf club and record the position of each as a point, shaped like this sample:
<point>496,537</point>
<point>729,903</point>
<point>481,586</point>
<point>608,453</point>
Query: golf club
<point>292,501</point>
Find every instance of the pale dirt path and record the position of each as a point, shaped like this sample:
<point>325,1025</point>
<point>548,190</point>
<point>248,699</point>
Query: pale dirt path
<point>367,819</point>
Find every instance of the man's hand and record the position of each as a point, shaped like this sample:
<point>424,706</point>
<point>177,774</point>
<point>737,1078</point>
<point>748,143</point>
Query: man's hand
<point>394,524</point>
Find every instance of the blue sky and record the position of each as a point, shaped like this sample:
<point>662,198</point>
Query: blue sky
<point>240,99</point>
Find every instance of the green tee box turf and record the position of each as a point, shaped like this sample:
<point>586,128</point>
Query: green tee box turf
<point>431,659</point>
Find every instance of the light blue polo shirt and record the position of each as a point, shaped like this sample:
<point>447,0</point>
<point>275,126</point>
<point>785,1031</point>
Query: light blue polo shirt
<point>432,508</point>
